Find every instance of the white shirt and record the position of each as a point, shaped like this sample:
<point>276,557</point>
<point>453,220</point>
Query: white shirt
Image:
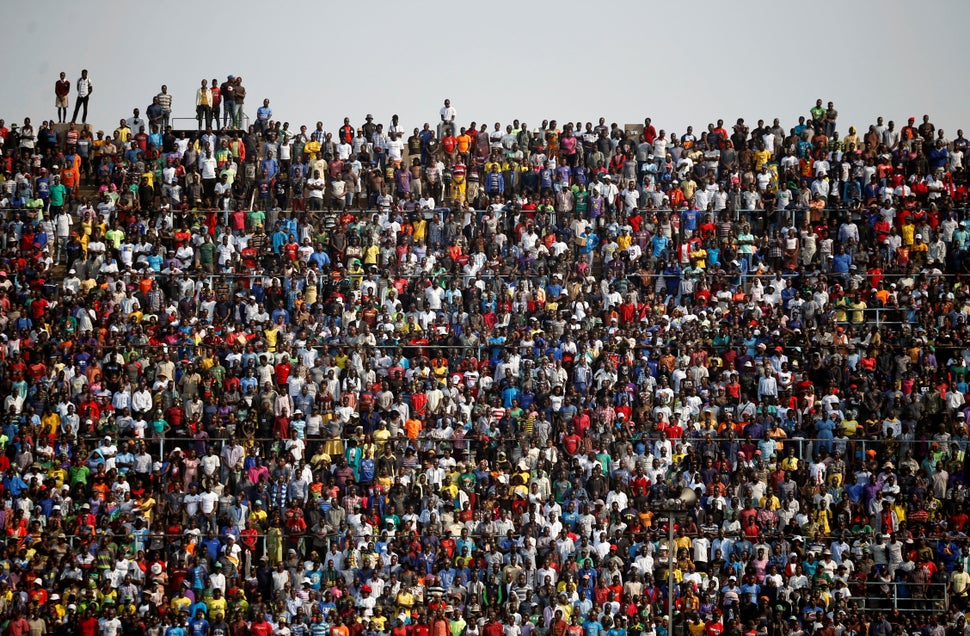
<point>191,503</point>
<point>631,198</point>
<point>109,627</point>
<point>314,192</point>
<point>83,87</point>
<point>395,149</point>
<point>209,168</point>
<point>208,502</point>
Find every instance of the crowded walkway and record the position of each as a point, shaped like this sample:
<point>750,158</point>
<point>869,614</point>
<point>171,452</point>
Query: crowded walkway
<point>483,379</point>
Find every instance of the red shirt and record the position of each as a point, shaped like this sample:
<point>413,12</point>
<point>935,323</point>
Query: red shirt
<point>85,626</point>
<point>571,443</point>
<point>261,628</point>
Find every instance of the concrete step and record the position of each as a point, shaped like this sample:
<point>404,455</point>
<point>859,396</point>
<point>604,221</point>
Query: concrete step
<point>60,129</point>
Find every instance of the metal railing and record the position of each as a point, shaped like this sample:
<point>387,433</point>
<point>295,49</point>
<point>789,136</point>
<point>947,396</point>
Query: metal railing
<point>915,597</point>
<point>243,125</point>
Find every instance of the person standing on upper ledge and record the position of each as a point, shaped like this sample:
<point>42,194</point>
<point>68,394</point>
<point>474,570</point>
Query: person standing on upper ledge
<point>165,101</point>
<point>61,89</point>
<point>84,90</point>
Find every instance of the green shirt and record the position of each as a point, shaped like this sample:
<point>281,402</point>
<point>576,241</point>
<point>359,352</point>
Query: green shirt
<point>114,237</point>
<point>79,474</point>
<point>58,192</point>
<point>746,244</point>
<point>207,253</point>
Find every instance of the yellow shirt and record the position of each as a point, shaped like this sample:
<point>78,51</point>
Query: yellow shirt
<point>181,603</point>
<point>700,257</point>
<point>258,517</point>
<point>770,502</point>
<point>761,157</point>
<point>59,475</point>
<point>147,507</point>
<point>688,188</point>
<point>52,422</point>
<point>420,229</point>
<point>908,233</point>
<point>272,335</point>
<point>216,607</point>
<point>380,437</point>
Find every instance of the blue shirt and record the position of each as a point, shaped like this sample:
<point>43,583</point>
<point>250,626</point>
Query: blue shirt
<point>198,627</point>
<point>592,628</point>
<point>322,259</point>
<point>689,220</point>
<point>841,263</point>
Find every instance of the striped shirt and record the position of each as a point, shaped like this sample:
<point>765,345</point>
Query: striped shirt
<point>165,101</point>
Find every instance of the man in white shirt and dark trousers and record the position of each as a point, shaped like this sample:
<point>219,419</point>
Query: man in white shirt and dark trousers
<point>84,90</point>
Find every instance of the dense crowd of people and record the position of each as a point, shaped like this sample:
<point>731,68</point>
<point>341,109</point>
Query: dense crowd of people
<point>459,381</point>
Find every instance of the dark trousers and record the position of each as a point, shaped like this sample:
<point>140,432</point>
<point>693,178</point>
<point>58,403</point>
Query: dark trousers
<point>77,107</point>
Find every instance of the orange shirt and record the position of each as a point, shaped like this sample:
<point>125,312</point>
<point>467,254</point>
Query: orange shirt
<point>101,489</point>
<point>71,174</point>
<point>464,143</point>
<point>412,428</point>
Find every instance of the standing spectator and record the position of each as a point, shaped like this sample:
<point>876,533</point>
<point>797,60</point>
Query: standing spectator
<point>61,89</point>
<point>84,90</point>
<point>216,100</point>
<point>165,101</point>
<point>227,92</point>
<point>239,100</point>
<point>448,115</point>
<point>203,105</point>
<point>263,114</point>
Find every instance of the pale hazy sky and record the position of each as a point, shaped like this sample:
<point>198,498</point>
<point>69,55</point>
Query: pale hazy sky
<point>678,62</point>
